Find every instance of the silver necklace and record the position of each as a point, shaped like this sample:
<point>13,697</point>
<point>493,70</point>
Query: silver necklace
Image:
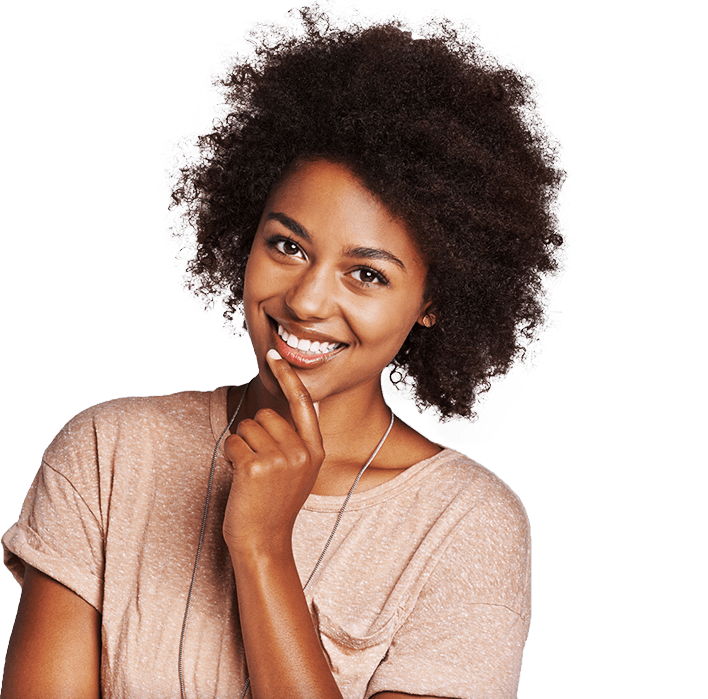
<point>203,529</point>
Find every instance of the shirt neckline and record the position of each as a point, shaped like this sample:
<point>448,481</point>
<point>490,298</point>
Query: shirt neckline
<point>218,405</point>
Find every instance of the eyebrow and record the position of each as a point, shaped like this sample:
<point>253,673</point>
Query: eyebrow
<point>291,224</point>
<point>355,252</point>
<point>374,254</point>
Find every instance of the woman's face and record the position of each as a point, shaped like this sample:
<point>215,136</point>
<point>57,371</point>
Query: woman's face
<point>333,282</point>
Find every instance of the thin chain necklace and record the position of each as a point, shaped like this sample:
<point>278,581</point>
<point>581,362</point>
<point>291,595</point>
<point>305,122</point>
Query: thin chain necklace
<point>203,529</point>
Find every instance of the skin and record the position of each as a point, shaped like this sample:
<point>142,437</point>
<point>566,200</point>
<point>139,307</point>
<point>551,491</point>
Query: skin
<point>314,288</point>
<point>55,647</point>
<point>306,425</point>
<point>275,460</point>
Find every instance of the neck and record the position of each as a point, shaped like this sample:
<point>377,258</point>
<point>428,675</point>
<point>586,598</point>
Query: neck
<point>351,423</point>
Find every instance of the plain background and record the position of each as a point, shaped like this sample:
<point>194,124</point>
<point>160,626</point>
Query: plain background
<point>601,432</point>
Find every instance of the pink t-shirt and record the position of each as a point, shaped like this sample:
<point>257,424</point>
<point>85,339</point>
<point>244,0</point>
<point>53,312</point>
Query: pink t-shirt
<point>424,590</point>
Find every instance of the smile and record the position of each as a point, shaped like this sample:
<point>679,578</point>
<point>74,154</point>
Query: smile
<point>306,346</point>
<point>304,353</point>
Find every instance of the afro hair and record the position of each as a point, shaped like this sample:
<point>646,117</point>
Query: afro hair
<point>443,135</point>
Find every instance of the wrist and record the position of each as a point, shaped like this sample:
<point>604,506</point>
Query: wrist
<point>250,555</point>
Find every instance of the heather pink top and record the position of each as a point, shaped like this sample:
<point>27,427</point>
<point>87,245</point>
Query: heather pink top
<point>424,590</point>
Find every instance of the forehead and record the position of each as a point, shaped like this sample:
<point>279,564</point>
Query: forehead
<point>329,201</point>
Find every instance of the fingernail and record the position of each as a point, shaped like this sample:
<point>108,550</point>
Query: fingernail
<point>273,354</point>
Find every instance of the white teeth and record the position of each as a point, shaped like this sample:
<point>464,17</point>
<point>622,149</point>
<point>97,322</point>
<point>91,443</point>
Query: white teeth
<point>311,346</point>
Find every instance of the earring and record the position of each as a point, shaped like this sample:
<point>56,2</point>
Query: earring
<point>427,321</point>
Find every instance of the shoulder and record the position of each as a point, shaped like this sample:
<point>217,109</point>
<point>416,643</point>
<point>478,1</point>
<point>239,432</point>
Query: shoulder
<point>442,494</point>
<point>470,486</point>
<point>130,424</point>
<point>144,410</point>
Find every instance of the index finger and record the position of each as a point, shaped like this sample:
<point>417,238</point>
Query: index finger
<point>302,409</point>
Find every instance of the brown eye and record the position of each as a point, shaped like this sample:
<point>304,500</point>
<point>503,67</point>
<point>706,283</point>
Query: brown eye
<point>369,277</point>
<point>286,246</point>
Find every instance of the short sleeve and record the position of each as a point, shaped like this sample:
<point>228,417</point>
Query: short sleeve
<point>465,635</point>
<point>59,531</point>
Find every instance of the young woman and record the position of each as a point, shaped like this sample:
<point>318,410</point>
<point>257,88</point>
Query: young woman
<point>373,200</point>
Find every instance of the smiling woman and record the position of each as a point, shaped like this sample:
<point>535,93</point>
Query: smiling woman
<point>310,273</point>
<point>373,200</point>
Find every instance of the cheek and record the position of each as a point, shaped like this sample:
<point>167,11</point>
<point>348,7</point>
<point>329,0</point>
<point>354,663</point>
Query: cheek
<point>255,280</point>
<point>251,296</point>
<point>386,326</point>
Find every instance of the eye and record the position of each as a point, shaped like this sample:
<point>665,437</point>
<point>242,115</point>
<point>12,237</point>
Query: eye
<point>285,246</point>
<point>367,276</point>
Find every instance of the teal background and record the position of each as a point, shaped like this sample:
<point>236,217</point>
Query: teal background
<point>599,432</point>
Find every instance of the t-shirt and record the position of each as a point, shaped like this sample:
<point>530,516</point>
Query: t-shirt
<point>424,589</point>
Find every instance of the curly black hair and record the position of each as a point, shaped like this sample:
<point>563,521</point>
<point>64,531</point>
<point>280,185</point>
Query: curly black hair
<point>442,134</point>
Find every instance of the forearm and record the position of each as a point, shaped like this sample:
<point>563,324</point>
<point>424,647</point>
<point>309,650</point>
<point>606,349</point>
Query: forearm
<point>283,652</point>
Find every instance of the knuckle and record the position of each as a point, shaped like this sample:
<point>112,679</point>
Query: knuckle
<point>265,415</point>
<point>248,430</point>
<point>232,445</point>
<point>264,464</point>
<point>256,468</point>
<point>300,458</point>
<point>301,394</point>
<point>245,425</point>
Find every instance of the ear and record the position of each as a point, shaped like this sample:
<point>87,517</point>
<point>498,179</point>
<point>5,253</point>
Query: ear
<point>427,317</point>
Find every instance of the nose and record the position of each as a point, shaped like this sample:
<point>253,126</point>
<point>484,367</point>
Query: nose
<point>312,295</point>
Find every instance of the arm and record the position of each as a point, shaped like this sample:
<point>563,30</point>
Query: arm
<point>285,638</point>
<point>282,648</point>
<point>55,647</point>
<point>275,468</point>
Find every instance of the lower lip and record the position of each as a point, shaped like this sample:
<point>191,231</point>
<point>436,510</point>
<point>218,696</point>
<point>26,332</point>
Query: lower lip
<point>302,360</point>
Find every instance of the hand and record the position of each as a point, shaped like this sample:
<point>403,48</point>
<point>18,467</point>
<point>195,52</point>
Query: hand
<point>275,468</point>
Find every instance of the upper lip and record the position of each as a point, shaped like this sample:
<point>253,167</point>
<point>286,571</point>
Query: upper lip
<point>306,333</point>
